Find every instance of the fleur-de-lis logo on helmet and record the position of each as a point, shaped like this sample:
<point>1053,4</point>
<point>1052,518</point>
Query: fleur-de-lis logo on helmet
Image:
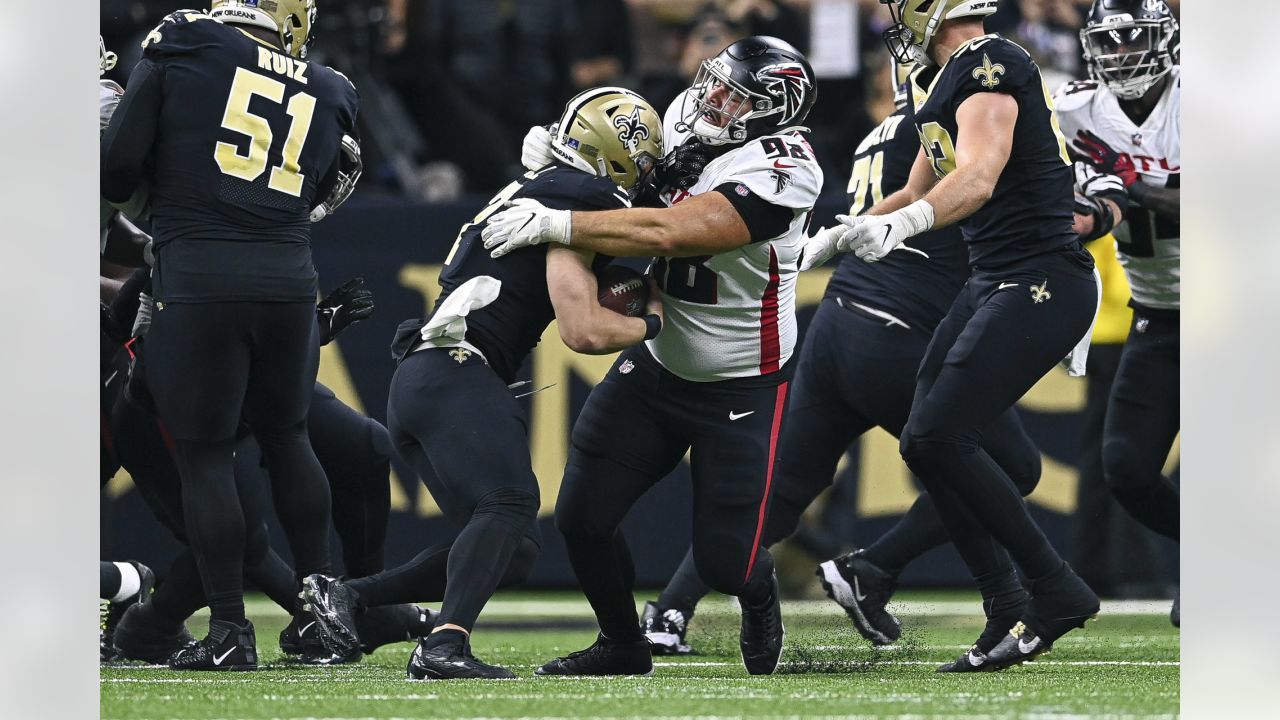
<point>630,130</point>
<point>989,74</point>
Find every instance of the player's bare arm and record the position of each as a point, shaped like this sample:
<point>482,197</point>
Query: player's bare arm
<point>1161,201</point>
<point>585,326</point>
<point>126,244</point>
<point>986,122</point>
<point>919,183</point>
<point>705,224</point>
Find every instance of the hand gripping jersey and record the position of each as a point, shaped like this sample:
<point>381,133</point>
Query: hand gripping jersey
<point>732,315</point>
<point>244,140</point>
<point>507,329</point>
<point>910,289</point>
<point>1147,245</point>
<point>1030,211</point>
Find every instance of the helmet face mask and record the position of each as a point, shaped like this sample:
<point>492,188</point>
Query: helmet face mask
<point>915,22</point>
<point>610,132</point>
<point>754,87</point>
<point>106,59</point>
<point>1129,52</point>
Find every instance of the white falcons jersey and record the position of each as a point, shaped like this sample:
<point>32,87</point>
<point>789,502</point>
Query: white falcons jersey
<point>1148,245</point>
<point>732,315</point>
<point>109,94</point>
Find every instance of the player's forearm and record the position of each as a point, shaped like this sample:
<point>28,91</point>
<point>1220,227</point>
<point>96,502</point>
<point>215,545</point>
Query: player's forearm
<point>1161,201</point>
<point>599,331</point>
<point>959,195</point>
<point>645,232</point>
<point>126,244</point>
<point>895,201</point>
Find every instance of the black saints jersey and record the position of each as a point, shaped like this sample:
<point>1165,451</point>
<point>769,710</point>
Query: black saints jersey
<point>1030,211</point>
<point>240,142</point>
<point>905,285</point>
<point>507,329</point>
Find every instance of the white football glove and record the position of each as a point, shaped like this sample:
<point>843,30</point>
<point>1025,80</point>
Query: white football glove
<point>871,237</point>
<point>526,222</point>
<point>1091,183</point>
<point>535,154</point>
<point>821,247</point>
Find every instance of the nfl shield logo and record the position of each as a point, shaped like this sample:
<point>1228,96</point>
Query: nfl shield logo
<point>626,367</point>
<point>742,190</point>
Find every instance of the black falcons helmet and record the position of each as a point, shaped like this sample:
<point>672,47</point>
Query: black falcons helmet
<point>754,87</point>
<point>1130,44</point>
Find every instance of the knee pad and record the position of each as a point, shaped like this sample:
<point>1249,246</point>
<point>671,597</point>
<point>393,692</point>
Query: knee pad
<point>1025,473</point>
<point>1123,468</point>
<point>516,506</point>
<point>523,560</point>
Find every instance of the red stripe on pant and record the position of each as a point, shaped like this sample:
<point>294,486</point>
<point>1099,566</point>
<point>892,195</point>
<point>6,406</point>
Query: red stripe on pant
<point>779,404</point>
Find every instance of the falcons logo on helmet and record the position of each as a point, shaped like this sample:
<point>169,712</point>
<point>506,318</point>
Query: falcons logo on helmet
<point>788,82</point>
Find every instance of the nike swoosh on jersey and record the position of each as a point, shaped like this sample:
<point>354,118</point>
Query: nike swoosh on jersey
<point>778,164</point>
<point>738,416</point>
<point>1007,285</point>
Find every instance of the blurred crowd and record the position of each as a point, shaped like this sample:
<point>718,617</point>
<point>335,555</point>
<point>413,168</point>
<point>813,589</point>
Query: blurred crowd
<point>451,86</point>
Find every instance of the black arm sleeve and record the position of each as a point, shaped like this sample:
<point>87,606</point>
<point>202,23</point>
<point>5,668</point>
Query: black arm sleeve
<point>126,145</point>
<point>765,220</point>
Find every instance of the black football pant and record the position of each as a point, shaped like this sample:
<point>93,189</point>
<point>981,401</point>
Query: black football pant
<point>455,422</point>
<point>636,426</point>
<point>356,458</point>
<point>1143,420</point>
<point>1003,333</point>
<point>856,372</point>
<point>208,365</point>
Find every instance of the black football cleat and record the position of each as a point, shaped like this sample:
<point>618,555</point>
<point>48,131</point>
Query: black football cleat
<point>1059,604</point>
<point>143,635</point>
<point>111,612</point>
<point>604,657</point>
<point>301,636</point>
<point>863,591</point>
<point>972,661</point>
<point>387,624</point>
<point>452,661</point>
<point>334,607</point>
<point>227,647</point>
<point>665,629</point>
<point>762,633</point>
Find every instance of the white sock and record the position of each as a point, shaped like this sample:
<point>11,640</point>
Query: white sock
<point>130,582</point>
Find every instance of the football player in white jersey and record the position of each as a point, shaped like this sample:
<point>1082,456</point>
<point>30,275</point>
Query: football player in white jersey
<point>713,381</point>
<point>1124,122</point>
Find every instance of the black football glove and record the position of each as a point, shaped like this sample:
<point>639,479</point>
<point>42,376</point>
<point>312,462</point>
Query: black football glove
<point>1106,159</point>
<point>682,166</point>
<point>343,307</point>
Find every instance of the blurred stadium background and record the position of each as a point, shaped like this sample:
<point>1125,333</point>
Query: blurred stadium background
<point>448,89</point>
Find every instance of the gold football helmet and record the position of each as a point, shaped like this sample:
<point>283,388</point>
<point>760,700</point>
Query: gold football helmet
<point>293,19</point>
<point>610,132</point>
<point>106,59</point>
<point>916,21</point>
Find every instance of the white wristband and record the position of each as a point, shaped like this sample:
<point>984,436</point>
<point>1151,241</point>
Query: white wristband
<point>918,216</point>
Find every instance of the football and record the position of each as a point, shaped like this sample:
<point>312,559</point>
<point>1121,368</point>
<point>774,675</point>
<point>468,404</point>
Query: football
<point>623,290</point>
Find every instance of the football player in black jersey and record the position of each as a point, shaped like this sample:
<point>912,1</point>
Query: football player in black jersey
<point>452,415</point>
<point>238,137</point>
<point>995,163</point>
<point>857,371</point>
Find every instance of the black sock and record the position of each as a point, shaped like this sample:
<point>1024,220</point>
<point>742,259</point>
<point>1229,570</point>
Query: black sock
<point>1155,505</point>
<point>916,533</point>
<point>685,588</point>
<point>607,575</point>
<point>444,637</point>
<point>273,576</point>
<point>109,582</point>
<point>215,523</point>
<point>181,593</point>
<point>422,579</point>
<point>481,555</point>
<point>759,589</point>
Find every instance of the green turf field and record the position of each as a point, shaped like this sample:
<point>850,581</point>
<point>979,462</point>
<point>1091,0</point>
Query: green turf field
<point>1123,665</point>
